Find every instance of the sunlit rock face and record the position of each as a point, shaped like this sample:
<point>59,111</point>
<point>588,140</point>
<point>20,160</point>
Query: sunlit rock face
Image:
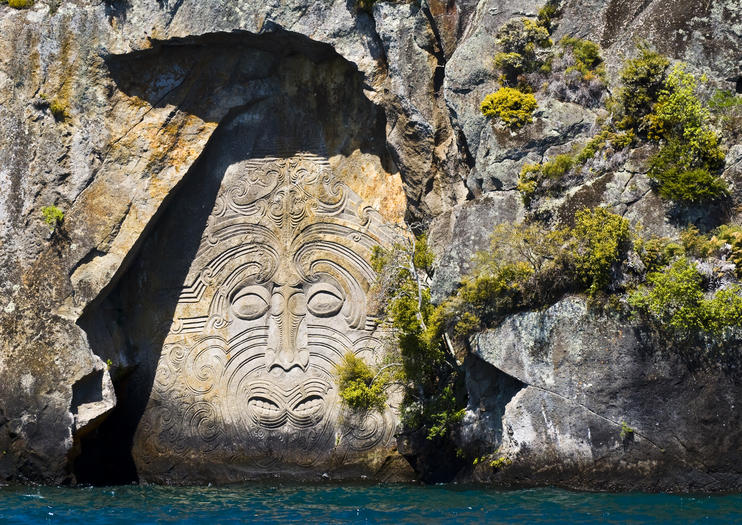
<point>273,299</point>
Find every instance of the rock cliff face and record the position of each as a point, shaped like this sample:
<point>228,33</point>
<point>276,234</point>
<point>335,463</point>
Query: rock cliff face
<point>150,124</point>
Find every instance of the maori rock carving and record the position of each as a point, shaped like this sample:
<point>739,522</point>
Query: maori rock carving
<point>275,297</point>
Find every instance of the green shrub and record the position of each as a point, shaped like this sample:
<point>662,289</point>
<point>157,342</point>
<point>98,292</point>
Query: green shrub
<point>445,414</point>
<point>359,385</point>
<point>521,41</point>
<point>586,56</point>
<point>487,294</point>
<point>507,277</point>
<point>433,383</point>
<point>673,297</point>
<point>674,300</point>
<point>726,108</point>
<point>626,431</point>
<point>548,14</point>
<point>657,252</point>
<point>533,175</point>
<point>59,110</point>
<point>702,246</point>
<point>731,235</point>
<point>601,241</point>
<point>20,4</point>
<point>685,177</point>
<point>666,108</point>
<point>53,216</point>
<point>510,106</point>
<point>696,244</point>
<point>724,310</point>
<point>642,78</point>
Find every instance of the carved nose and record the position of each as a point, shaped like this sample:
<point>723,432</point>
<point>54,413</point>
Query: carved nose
<point>287,346</point>
<point>287,358</point>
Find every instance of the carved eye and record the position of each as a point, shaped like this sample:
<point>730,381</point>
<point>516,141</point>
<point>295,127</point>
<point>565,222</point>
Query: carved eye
<point>324,300</point>
<point>250,303</point>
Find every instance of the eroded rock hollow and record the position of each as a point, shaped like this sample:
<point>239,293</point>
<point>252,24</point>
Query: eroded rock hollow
<point>253,286</point>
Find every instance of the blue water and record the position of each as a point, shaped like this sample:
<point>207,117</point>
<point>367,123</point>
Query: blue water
<point>321,503</point>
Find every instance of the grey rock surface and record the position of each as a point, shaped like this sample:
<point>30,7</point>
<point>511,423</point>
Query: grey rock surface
<point>615,409</point>
<point>106,109</point>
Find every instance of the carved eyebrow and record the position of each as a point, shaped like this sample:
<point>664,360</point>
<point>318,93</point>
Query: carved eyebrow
<point>252,289</point>
<point>315,288</point>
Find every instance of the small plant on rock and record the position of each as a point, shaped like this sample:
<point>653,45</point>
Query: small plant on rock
<point>19,4</point>
<point>361,387</point>
<point>510,106</point>
<point>601,240</point>
<point>642,78</point>
<point>522,41</point>
<point>59,110</point>
<point>53,216</point>
<point>626,431</point>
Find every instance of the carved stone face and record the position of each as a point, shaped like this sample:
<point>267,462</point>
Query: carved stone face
<point>275,297</point>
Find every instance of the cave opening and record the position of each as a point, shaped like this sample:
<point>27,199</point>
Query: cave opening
<point>284,95</point>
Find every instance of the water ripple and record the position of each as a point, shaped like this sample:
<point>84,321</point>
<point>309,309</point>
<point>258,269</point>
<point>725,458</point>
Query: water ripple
<point>326,503</point>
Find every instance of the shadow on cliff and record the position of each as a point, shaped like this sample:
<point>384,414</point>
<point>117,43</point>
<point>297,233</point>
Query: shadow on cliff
<point>273,95</point>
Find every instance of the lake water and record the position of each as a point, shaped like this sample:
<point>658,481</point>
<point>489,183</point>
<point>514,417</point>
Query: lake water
<point>326,503</point>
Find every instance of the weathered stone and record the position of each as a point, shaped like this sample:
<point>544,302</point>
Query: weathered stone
<point>603,408</point>
<point>141,90</point>
<point>457,236</point>
<point>270,302</point>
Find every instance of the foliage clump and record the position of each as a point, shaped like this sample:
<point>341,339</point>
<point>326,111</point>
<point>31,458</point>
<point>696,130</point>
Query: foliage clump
<point>724,242</point>
<point>673,299</point>
<point>690,152</point>
<point>510,106</point>
<point>53,217</point>
<point>726,110</point>
<point>601,241</point>
<point>587,59</point>
<point>434,398</point>
<point>577,72</point>
<point>551,177</point>
<point>59,110</point>
<point>18,4</point>
<point>642,78</point>
<point>361,387</point>
<point>529,266</point>
<point>523,42</point>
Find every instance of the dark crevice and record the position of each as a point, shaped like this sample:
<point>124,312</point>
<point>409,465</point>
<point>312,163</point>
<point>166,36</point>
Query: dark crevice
<point>89,389</point>
<point>490,390</point>
<point>738,85</point>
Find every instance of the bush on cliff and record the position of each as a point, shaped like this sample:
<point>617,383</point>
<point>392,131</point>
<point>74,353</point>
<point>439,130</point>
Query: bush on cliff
<point>690,152</point>
<point>642,78</point>
<point>361,387</point>
<point>18,4</point>
<point>529,266</point>
<point>434,394</point>
<point>601,242</point>
<point>673,299</point>
<point>522,42</point>
<point>550,177</point>
<point>53,216</point>
<point>510,106</point>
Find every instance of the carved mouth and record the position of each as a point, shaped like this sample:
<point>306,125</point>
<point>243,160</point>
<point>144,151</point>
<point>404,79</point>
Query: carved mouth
<point>267,413</point>
<point>303,406</point>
